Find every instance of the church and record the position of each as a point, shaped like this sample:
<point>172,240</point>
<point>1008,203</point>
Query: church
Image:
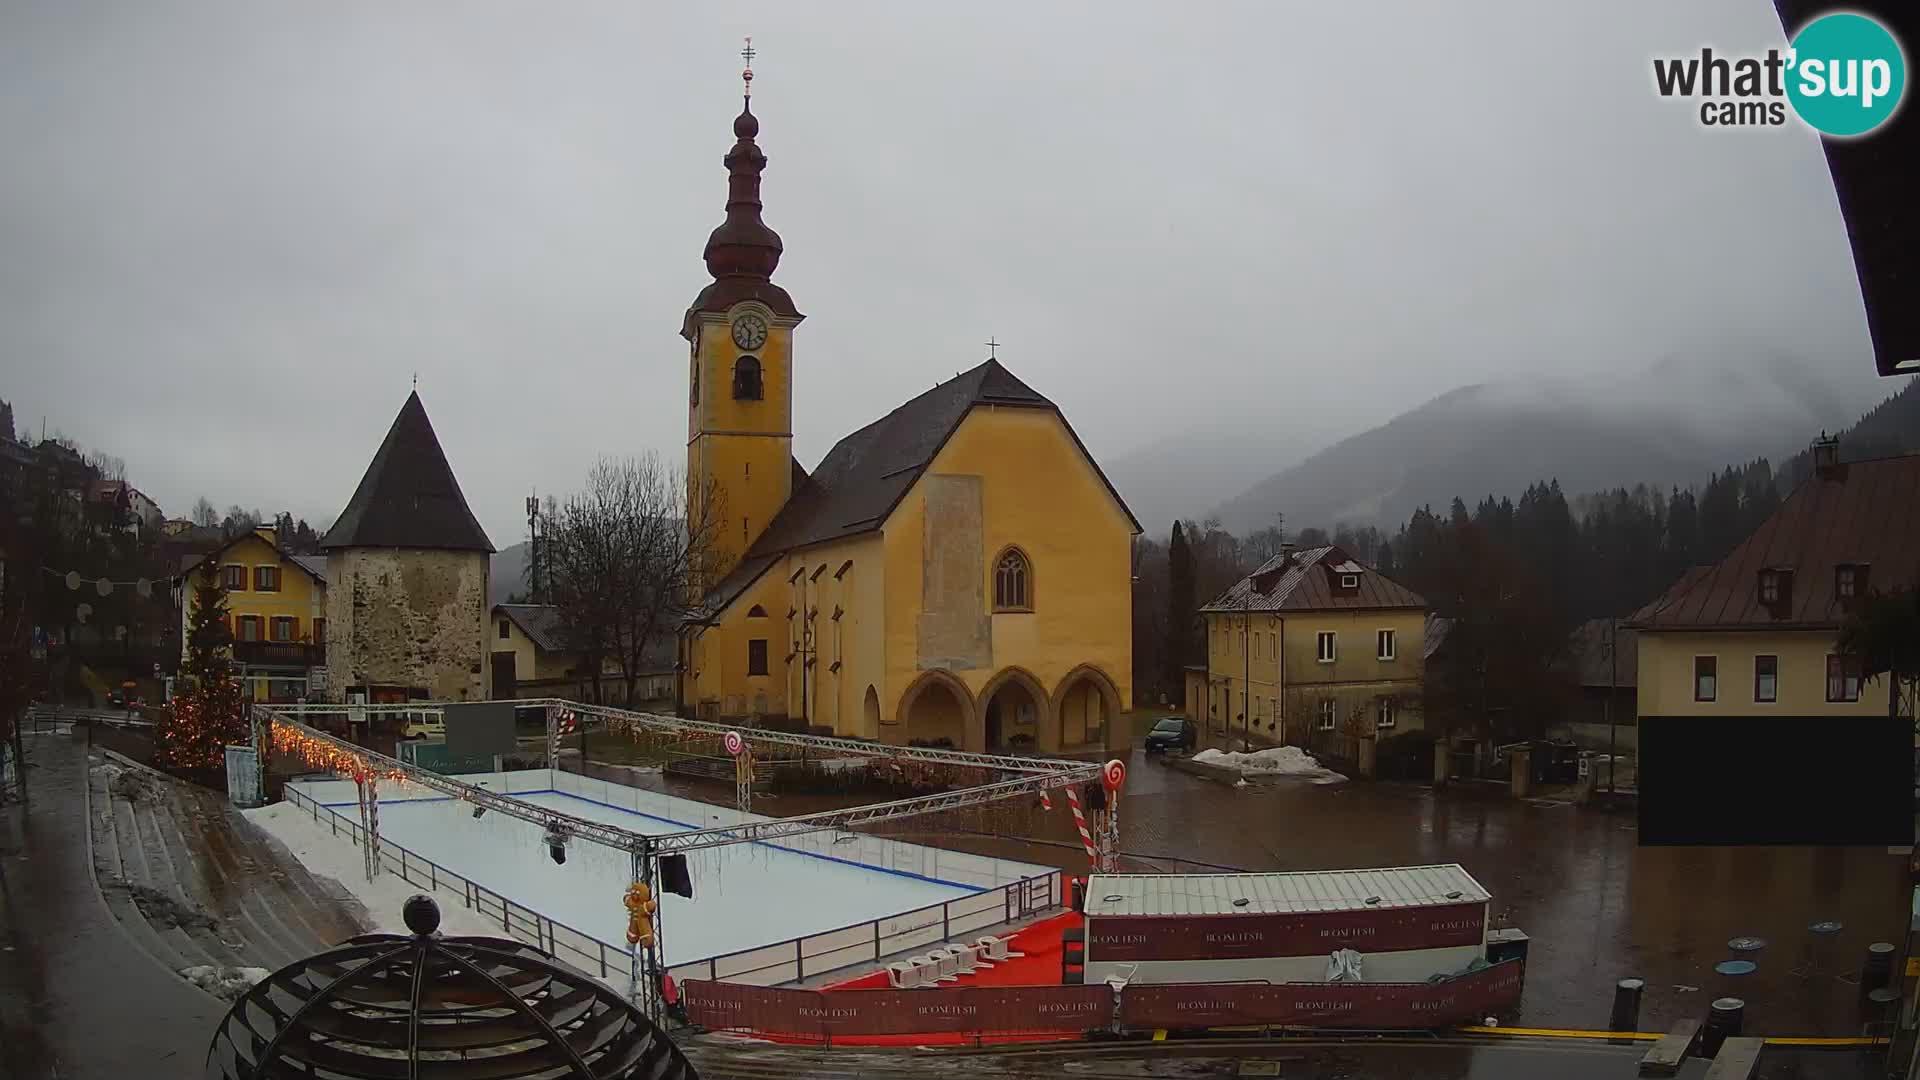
<point>956,573</point>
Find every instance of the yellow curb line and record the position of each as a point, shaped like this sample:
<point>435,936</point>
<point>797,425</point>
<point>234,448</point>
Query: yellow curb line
<point>1562,1033</point>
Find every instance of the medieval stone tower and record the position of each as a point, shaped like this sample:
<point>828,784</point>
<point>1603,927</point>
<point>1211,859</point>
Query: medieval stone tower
<point>407,577</point>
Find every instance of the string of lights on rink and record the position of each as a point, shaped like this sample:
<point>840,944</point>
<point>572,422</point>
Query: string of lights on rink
<point>326,751</point>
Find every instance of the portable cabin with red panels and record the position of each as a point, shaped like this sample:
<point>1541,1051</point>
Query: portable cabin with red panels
<point>1408,924</point>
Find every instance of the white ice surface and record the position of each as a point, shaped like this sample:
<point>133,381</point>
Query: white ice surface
<point>330,856</point>
<point>745,895</point>
<point>1277,761</point>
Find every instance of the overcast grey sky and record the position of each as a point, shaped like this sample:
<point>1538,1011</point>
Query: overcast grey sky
<point>230,232</point>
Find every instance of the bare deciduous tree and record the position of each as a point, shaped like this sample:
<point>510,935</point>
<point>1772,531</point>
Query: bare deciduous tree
<point>624,558</point>
<point>204,514</point>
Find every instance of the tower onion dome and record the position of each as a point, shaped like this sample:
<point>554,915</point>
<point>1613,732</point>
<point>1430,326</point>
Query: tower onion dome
<point>743,252</point>
<point>397,1007</point>
<point>743,245</point>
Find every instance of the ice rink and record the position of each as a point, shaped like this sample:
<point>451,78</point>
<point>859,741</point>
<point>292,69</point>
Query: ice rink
<point>744,896</point>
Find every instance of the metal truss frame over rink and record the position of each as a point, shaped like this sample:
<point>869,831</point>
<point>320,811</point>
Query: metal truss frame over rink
<point>289,728</point>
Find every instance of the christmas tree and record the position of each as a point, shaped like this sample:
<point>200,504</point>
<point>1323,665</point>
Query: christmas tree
<point>209,714</point>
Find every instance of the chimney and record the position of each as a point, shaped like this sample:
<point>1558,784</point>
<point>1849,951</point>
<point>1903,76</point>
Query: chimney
<point>265,532</point>
<point>1826,457</point>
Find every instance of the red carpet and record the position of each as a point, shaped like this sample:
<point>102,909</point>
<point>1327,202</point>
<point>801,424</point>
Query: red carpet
<point>1040,966</point>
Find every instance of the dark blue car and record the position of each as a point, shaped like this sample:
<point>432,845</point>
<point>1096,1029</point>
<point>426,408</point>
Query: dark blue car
<point>1171,733</point>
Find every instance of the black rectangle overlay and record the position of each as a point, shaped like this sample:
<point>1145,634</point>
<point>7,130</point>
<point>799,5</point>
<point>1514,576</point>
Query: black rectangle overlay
<point>1788,780</point>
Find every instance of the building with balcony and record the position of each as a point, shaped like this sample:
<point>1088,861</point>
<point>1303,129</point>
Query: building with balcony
<point>276,611</point>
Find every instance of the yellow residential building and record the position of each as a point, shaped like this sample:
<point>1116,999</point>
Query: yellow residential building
<point>529,658</point>
<point>276,610</point>
<point>957,571</point>
<point>1754,634</point>
<point>1312,649</point>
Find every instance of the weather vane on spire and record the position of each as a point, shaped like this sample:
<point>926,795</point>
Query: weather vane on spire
<point>746,75</point>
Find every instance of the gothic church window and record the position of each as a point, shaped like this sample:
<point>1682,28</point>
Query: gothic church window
<point>1012,582</point>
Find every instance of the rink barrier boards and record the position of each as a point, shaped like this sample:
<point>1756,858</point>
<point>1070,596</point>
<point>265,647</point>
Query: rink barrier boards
<point>793,960</point>
<point>1140,1009</point>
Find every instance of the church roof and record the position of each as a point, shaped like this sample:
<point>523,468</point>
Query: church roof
<point>408,497</point>
<point>866,474</point>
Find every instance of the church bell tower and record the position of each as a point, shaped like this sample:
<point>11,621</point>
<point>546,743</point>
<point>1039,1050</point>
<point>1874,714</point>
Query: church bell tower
<point>740,371</point>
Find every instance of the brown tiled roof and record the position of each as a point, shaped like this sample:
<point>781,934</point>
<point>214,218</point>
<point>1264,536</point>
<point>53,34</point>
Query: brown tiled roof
<point>408,497</point>
<point>1304,580</point>
<point>541,624</point>
<point>1865,512</point>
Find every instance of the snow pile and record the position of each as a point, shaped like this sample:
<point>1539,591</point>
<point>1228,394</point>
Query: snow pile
<point>335,857</point>
<point>1277,761</point>
<point>226,983</point>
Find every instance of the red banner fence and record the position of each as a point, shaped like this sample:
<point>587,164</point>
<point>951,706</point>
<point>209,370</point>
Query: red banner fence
<point>1055,1009</point>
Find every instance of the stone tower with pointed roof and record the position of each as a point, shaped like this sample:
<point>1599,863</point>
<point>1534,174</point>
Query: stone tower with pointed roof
<point>407,577</point>
<point>959,570</point>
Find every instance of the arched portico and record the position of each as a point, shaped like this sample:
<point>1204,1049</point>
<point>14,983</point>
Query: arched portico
<point>1088,705</point>
<point>937,705</point>
<point>1016,714</point>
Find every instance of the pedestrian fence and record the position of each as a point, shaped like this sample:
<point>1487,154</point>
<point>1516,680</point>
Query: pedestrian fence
<point>858,945</point>
<point>868,943</point>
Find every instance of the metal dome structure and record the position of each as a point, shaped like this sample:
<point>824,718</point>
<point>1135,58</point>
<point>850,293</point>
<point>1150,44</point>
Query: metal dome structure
<point>394,1007</point>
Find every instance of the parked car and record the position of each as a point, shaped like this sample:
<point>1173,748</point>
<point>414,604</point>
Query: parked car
<point>1172,733</point>
<point>425,725</point>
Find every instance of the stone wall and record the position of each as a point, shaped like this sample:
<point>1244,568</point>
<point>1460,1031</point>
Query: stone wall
<point>407,617</point>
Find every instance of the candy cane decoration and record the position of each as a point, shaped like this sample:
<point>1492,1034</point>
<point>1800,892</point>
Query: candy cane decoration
<point>560,721</point>
<point>1080,822</point>
<point>742,771</point>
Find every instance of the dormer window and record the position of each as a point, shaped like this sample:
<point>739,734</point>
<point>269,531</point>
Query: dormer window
<point>746,379</point>
<point>1349,581</point>
<point>1849,580</point>
<point>1776,590</point>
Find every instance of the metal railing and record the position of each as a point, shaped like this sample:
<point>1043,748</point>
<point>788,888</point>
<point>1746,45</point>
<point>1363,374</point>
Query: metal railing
<point>577,947</point>
<point>793,960</point>
<point>873,940</point>
<point>53,719</point>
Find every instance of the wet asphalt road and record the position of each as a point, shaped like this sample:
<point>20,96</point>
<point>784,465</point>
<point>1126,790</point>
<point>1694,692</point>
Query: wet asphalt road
<point>1597,906</point>
<point>77,998</point>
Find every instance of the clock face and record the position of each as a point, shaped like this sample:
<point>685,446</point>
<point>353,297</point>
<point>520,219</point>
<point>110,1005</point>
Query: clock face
<point>749,331</point>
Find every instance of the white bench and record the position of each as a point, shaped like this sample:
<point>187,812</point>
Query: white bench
<point>903,976</point>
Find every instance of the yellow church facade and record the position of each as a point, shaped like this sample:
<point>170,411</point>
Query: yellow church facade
<point>956,573</point>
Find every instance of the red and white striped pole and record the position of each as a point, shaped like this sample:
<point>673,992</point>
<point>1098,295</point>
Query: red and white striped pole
<point>1080,822</point>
